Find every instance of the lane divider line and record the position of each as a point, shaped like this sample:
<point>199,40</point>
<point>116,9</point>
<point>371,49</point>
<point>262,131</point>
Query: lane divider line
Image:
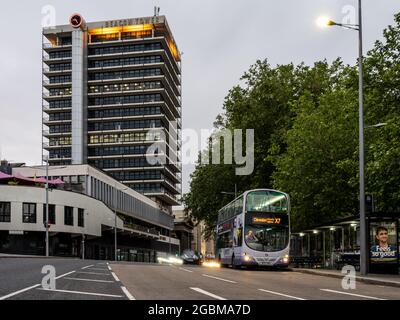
<point>185,269</point>
<point>92,280</point>
<point>127,293</point>
<point>115,276</point>
<point>208,293</point>
<point>96,273</point>
<point>92,265</point>
<point>352,294</point>
<point>83,292</point>
<point>98,269</point>
<point>31,287</point>
<point>281,294</point>
<point>217,278</point>
<point>18,292</point>
<point>65,274</point>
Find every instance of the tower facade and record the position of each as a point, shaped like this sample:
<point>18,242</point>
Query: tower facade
<point>112,99</point>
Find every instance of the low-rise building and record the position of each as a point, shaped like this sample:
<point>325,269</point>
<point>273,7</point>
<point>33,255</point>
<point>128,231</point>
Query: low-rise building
<point>84,210</point>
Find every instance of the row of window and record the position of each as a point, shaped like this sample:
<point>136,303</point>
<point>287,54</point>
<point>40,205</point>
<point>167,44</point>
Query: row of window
<point>125,48</point>
<point>142,175</point>
<point>124,61</point>
<point>29,214</point>
<point>125,137</point>
<point>60,128</point>
<point>125,99</point>
<point>123,163</point>
<point>147,187</point>
<point>60,116</point>
<point>60,67</point>
<point>124,36</point>
<point>60,91</point>
<point>60,54</point>
<point>125,150</point>
<point>57,104</point>
<point>60,79</point>
<point>60,153</point>
<point>125,87</point>
<point>60,141</point>
<point>125,74</point>
<point>232,209</point>
<point>121,125</point>
<point>123,112</point>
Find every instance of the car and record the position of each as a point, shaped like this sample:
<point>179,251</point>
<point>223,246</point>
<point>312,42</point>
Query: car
<point>190,257</point>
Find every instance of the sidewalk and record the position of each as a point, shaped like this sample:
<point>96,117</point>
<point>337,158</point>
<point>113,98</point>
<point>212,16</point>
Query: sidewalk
<point>378,279</point>
<point>15,256</point>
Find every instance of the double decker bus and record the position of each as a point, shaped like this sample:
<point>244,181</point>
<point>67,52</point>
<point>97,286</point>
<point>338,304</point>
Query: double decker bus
<point>254,230</point>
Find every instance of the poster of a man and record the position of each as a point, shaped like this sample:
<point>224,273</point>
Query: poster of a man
<point>383,252</point>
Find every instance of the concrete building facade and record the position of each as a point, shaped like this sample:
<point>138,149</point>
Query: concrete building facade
<point>112,99</point>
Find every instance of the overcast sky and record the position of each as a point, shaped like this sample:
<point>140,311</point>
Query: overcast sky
<point>220,39</point>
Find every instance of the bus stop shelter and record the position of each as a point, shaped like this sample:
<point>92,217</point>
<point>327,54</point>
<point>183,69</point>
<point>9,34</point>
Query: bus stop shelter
<point>337,243</point>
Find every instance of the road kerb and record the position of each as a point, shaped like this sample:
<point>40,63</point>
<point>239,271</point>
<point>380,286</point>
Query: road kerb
<point>367,280</point>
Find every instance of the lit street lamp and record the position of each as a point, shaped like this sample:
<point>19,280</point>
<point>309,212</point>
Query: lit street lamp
<point>326,22</point>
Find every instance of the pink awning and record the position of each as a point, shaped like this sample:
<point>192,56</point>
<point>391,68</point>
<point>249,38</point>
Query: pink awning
<point>56,182</point>
<point>4,175</point>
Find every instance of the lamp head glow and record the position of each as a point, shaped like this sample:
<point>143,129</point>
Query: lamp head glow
<point>324,22</point>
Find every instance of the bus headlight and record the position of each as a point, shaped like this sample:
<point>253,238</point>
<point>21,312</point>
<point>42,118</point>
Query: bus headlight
<point>246,257</point>
<point>285,259</point>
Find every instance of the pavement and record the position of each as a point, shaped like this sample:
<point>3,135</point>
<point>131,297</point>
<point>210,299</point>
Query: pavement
<point>378,279</point>
<point>21,279</point>
<point>187,282</point>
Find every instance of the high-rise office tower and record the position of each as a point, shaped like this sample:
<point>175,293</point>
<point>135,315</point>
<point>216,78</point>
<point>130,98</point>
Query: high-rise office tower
<point>111,90</point>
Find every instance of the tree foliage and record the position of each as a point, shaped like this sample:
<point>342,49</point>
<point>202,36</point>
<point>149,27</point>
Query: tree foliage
<point>305,120</point>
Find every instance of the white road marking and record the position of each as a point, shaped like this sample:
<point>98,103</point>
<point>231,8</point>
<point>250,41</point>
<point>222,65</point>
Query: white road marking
<point>92,280</point>
<point>109,268</point>
<point>127,293</point>
<point>281,294</point>
<point>115,276</point>
<point>31,287</point>
<point>88,266</point>
<point>83,292</point>
<point>207,275</point>
<point>18,292</point>
<point>185,270</point>
<point>96,273</point>
<point>208,293</point>
<point>98,269</point>
<point>64,275</point>
<point>352,294</point>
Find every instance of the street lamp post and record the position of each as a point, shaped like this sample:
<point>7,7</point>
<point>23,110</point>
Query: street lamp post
<point>231,193</point>
<point>47,207</point>
<point>115,220</point>
<point>115,224</point>
<point>363,222</point>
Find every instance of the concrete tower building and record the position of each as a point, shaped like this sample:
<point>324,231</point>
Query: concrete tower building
<point>112,99</point>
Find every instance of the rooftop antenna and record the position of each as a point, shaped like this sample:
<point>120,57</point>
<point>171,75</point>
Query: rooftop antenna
<point>156,11</point>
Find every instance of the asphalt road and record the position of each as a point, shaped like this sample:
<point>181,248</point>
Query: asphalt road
<point>160,282</point>
<point>21,279</point>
